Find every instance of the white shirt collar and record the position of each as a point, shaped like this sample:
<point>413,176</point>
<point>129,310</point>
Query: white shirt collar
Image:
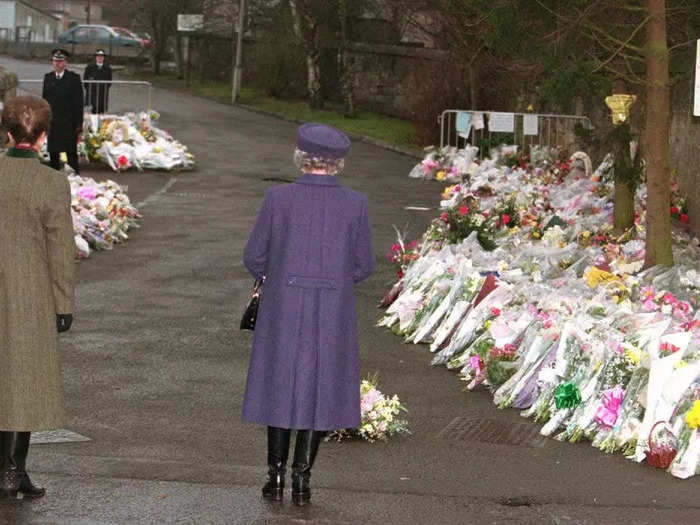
<point>59,76</point>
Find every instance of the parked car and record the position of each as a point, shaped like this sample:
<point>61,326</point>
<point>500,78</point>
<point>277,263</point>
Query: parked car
<point>145,38</point>
<point>99,35</point>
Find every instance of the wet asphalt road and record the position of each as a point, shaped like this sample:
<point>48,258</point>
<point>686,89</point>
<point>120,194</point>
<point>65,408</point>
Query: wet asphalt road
<point>155,370</point>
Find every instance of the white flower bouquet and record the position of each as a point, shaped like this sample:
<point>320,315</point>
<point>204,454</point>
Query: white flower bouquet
<point>380,415</point>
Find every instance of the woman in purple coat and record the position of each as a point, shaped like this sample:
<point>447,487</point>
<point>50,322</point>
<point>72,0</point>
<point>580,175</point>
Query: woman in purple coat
<point>311,241</point>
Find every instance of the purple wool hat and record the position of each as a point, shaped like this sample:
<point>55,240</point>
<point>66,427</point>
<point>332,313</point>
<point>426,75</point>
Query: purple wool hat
<point>321,140</point>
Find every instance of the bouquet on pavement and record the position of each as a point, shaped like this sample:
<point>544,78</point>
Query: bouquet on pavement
<point>523,287</point>
<point>381,415</point>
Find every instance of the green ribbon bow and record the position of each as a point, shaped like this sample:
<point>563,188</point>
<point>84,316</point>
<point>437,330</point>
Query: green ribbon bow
<point>567,395</point>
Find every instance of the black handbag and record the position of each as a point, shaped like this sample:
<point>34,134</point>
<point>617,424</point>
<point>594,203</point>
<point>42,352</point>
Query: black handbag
<point>251,312</point>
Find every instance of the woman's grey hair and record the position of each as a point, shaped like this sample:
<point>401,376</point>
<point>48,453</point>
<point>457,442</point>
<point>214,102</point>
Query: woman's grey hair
<point>306,162</point>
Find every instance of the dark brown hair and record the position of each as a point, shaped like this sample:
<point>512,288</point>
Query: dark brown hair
<point>26,117</point>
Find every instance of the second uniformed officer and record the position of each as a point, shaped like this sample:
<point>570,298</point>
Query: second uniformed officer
<point>97,93</point>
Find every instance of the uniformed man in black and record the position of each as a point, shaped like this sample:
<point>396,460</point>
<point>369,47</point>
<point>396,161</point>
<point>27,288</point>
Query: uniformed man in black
<point>97,93</point>
<point>63,90</point>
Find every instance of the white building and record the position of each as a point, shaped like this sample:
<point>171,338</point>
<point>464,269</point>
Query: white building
<point>22,21</point>
<point>72,12</point>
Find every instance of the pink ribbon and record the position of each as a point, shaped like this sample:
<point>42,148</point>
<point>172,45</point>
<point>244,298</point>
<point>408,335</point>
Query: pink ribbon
<point>607,411</point>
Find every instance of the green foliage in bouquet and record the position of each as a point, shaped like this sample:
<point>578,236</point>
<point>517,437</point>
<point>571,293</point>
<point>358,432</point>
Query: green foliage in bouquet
<point>501,364</point>
<point>494,140</point>
<point>505,214</point>
<point>617,371</point>
<point>483,347</point>
<point>459,222</point>
<point>510,160</point>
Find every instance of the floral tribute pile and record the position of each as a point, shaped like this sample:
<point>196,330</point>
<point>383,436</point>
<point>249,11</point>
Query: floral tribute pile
<point>522,286</point>
<point>102,214</point>
<point>379,415</point>
<point>132,141</point>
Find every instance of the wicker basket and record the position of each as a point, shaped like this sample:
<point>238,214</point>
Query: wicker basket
<point>660,455</point>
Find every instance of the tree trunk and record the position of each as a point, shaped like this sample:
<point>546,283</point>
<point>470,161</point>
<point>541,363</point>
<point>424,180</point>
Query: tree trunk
<point>313,66</point>
<point>623,207</point>
<point>178,54</point>
<point>626,175</point>
<point>344,69</point>
<point>157,27</point>
<point>474,85</point>
<point>658,237</point>
<point>306,31</point>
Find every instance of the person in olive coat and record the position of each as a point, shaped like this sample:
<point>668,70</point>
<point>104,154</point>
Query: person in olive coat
<point>37,273</point>
<point>63,90</point>
<point>312,243</point>
<point>97,93</point>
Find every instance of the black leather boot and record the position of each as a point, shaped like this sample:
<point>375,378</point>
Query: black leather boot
<point>304,455</point>
<point>21,449</point>
<point>277,454</point>
<point>9,475</point>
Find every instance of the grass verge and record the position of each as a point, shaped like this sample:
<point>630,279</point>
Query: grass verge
<point>394,131</point>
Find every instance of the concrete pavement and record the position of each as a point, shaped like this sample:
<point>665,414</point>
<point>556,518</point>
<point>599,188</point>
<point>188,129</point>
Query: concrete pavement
<point>155,369</point>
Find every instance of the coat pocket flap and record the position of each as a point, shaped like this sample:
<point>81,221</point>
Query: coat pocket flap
<point>311,282</point>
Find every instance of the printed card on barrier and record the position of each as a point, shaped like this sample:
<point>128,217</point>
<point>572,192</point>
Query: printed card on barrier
<point>464,123</point>
<point>530,125</point>
<point>501,122</point>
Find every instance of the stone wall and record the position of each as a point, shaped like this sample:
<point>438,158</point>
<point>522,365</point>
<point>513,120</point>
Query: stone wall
<point>79,52</point>
<point>385,73</point>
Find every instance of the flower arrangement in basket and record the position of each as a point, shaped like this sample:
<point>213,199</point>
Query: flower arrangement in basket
<point>661,453</point>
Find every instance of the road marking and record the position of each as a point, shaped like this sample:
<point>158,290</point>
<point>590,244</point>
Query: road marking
<point>160,192</point>
<point>56,436</point>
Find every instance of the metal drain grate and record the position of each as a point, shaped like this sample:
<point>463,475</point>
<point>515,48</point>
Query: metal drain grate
<point>484,430</point>
<point>56,436</point>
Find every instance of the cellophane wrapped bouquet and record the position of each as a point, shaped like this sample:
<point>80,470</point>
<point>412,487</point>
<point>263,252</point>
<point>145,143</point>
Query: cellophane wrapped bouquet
<point>548,307</point>
<point>102,214</point>
<point>381,415</point>
<point>132,141</point>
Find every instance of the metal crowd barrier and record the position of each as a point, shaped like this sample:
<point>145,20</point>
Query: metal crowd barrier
<point>122,96</point>
<point>552,130</point>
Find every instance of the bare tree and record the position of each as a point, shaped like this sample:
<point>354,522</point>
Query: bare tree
<point>344,67</point>
<point>658,239</point>
<point>306,29</point>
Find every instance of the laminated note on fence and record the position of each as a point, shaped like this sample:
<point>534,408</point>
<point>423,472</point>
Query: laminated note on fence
<point>530,125</point>
<point>501,122</point>
<point>478,120</point>
<point>464,123</point>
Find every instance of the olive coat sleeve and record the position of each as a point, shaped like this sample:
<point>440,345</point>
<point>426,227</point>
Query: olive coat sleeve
<point>60,244</point>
